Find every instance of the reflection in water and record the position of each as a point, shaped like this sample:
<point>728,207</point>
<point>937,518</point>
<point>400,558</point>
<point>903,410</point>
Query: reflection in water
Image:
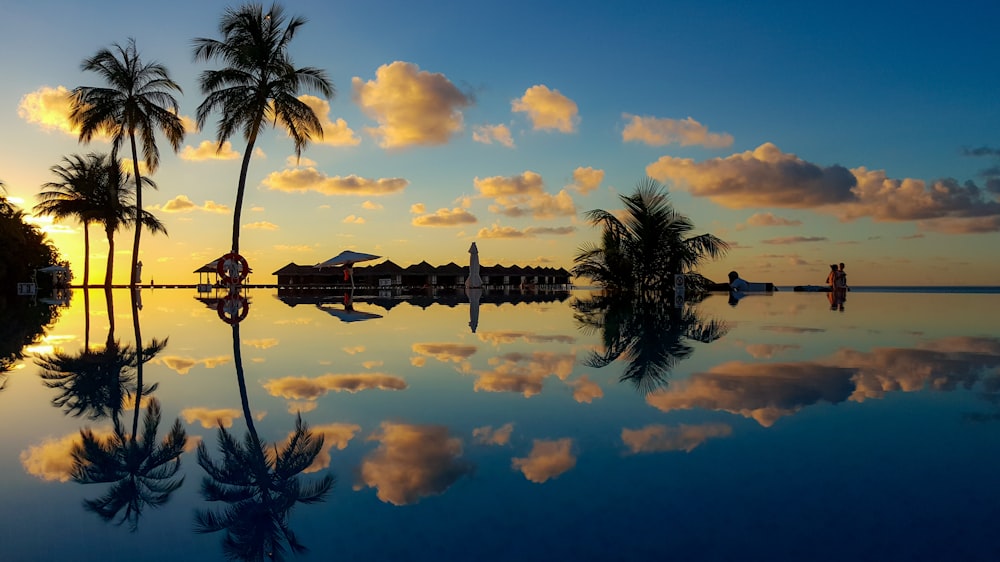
<point>259,483</point>
<point>650,334</point>
<point>766,392</point>
<point>140,470</point>
<point>23,322</point>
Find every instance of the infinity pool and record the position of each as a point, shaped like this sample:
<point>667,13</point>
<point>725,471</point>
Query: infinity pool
<point>515,427</point>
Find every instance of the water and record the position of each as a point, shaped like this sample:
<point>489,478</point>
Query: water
<point>776,429</point>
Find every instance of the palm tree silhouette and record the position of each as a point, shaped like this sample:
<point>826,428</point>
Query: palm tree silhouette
<point>258,86</point>
<point>651,335</point>
<point>259,483</point>
<point>138,102</point>
<point>74,196</point>
<point>640,252</point>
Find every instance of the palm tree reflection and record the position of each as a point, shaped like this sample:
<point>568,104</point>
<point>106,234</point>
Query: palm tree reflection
<point>260,483</point>
<point>650,334</point>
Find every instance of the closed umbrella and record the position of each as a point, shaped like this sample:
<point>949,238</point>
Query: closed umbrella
<point>473,282</point>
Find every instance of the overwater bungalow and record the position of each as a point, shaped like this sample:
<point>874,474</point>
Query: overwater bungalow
<point>390,275</point>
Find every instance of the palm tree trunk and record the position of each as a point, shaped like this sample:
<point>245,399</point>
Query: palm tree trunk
<point>138,363</point>
<point>86,318</point>
<point>241,380</point>
<point>86,254</point>
<point>138,210</point>
<point>111,316</point>
<point>240,189</point>
<point>111,258</point>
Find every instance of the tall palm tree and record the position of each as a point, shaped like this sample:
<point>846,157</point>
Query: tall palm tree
<point>258,86</point>
<point>640,252</point>
<point>74,196</point>
<point>259,482</point>
<point>138,102</point>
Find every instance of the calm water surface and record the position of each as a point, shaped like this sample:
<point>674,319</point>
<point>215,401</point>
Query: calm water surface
<point>777,429</point>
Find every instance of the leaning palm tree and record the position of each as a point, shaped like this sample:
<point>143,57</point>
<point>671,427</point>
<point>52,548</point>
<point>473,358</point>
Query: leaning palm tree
<point>74,196</point>
<point>137,103</point>
<point>259,482</point>
<point>258,86</point>
<point>640,252</point>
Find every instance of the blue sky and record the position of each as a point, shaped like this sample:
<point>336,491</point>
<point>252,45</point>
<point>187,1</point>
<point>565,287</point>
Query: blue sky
<point>803,134</point>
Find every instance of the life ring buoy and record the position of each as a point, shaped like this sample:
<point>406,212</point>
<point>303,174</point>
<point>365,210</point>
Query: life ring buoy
<point>232,268</point>
<point>233,309</point>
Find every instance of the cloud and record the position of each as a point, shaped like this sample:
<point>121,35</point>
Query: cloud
<point>304,388</point>
<point>210,418</point>
<point>769,219</point>
<point>372,206</point>
<point>182,204</point>
<point>260,225</point>
<point>299,162</point>
<point>660,132</point>
<point>659,438</point>
<point>335,133</point>
<point>497,231</point>
<point>353,219</point>
<point>794,240</point>
<point>183,365</point>
<point>310,179</point>
<point>585,390</point>
<point>768,350</point>
<point>764,177</point>
<point>524,374</point>
<point>523,195</point>
<point>586,180</point>
<point>508,337</point>
<point>488,134</point>
<point>49,108</point>
<point>547,109</point>
<point>209,150</point>
<point>334,435</point>
<point>444,217</point>
<point>411,106</point>
<point>488,436</point>
<point>52,460</point>
<point>445,352</point>
<point>548,459</point>
<point>413,462</point>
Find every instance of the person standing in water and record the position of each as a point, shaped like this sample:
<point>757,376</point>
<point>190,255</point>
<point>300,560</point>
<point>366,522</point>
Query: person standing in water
<point>831,278</point>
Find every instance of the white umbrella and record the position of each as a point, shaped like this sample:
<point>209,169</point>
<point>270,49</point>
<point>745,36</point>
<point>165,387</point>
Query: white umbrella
<point>347,258</point>
<point>473,282</point>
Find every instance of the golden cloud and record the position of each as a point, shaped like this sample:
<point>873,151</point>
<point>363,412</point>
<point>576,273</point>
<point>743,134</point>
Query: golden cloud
<point>353,219</point>
<point>209,150</point>
<point>548,459</point>
<point>411,106</point>
<point>488,134</point>
<point>547,109</point>
<point>210,418</point>
<point>497,231</point>
<point>524,374</point>
<point>303,388</point>
<point>261,225</point>
<point>263,343</point>
<point>585,390</point>
<point>659,438</point>
<point>182,204</point>
<point>49,108</point>
<point>523,195</point>
<point>586,180</point>
<point>444,217</point>
<point>334,435</point>
<point>371,206</point>
<point>183,365</point>
<point>412,462</point>
<point>769,219</point>
<point>52,460</point>
<point>445,352</point>
<point>507,337</point>
<point>335,133</point>
<point>659,132</point>
<point>310,179</point>
<point>486,435</point>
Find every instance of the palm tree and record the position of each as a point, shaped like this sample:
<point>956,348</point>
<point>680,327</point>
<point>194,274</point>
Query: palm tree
<point>260,484</point>
<point>140,469</point>
<point>650,334</point>
<point>137,102</point>
<point>258,86</point>
<point>640,252</point>
<point>74,196</point>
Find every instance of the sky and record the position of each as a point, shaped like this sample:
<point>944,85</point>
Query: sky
<point>801,133</point>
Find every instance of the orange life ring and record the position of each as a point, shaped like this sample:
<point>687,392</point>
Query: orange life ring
<point>226,264</point>
<point>233,309</point>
